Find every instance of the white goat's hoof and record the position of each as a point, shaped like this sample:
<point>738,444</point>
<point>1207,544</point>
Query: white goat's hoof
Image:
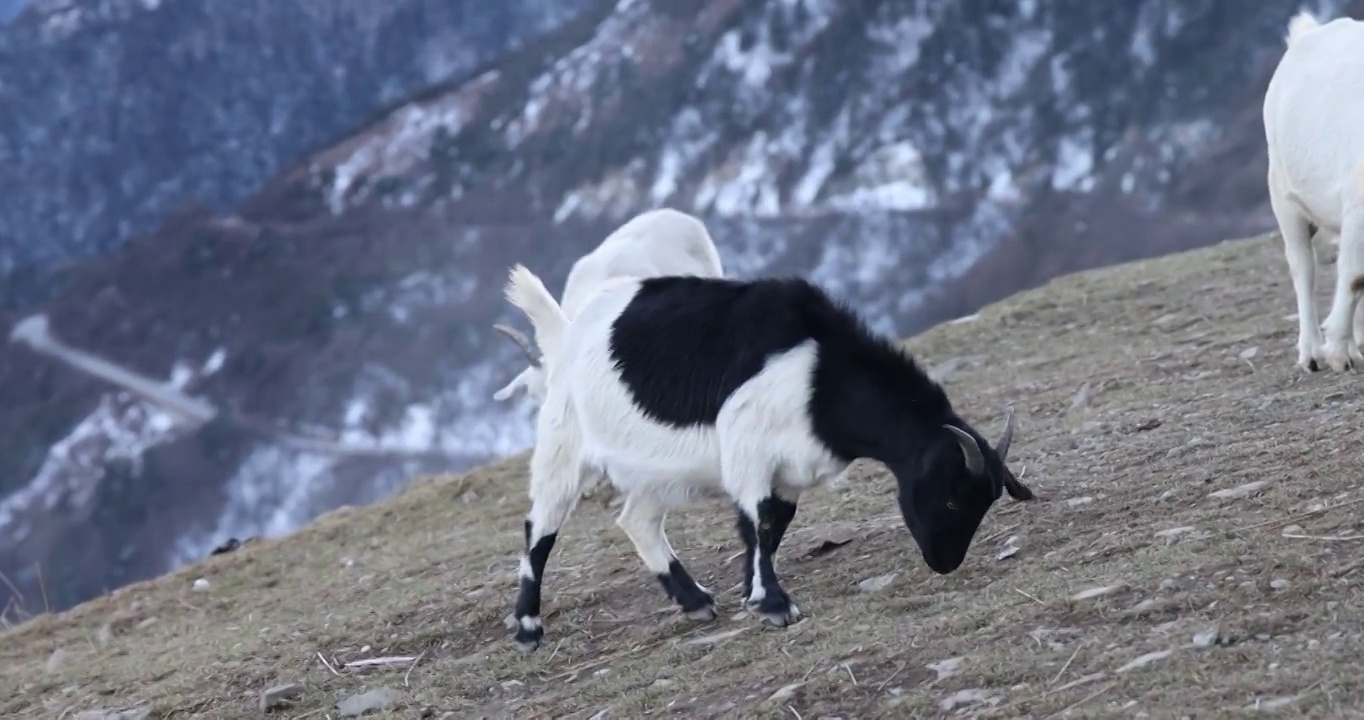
<point>1338,357</point>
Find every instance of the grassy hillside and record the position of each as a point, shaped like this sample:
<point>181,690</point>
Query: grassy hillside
<point>1184,466</point>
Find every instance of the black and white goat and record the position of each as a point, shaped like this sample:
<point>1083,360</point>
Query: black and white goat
<point>655,242</point>
<point>678,387</point>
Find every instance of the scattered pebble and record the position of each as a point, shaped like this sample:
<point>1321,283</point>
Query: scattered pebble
<point>1008,548</point>
<point>880,582</point>
<point>946,668</point>
<point>1096,592</point>
<point>1078,501</point>
<point>716,637</point>
<point>1249,352</point>
<point>383,698</point>
<point>1292,530</point>
<point>1144,660</point>
<point>141,713</point>
<point>201,584</point>
<point>969,696</point>
<point>1175,531</point>
<point>785,694</point>
<point>1238,492</point>
<point>279,696</point>
<point>1279,584</point>
<point>1206,638</point>
<point>56,660</point>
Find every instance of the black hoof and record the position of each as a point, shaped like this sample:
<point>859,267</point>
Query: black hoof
<point>1312,365</point>
<point>528,635</point>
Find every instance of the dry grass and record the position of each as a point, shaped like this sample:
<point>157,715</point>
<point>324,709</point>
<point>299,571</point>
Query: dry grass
<point>1140,390</point>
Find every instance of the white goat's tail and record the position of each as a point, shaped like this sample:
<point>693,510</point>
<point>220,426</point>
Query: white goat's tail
<point>528,293</point>
<point>1301,24</point>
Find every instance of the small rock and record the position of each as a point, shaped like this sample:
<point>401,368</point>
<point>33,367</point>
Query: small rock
<point>201,584</point>
<point>1008,548</point>
<point>1279,584</point>
<point>969,696</point>
<point>1097,592</point>
<point>279,696</point>
<point>1175,531</point>
<point>383,698</point>
<point>56,660</point>
<point>1169,584</point>
<point>785,694</point>
<point>716,637</point>
<point>1206,638</point>
<point>1144,660</point>
<point>1249,352</point>
<point>228,546</point>
<point>664,683</point>
<point>946,668</point>
<point>1238,492</point>
<point>141,713</point>
<point>1291,530</point>
<point>875,584</point>
<point>105,635</point>
<point>1078,501</point>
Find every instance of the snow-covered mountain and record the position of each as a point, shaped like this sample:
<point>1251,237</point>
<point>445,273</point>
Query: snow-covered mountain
<point>118,111</point>
<point>919,158</point>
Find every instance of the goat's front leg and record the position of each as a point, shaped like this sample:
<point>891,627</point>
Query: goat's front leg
<point>557,476</point>
<point>643,519</point>
<point>763,520</point>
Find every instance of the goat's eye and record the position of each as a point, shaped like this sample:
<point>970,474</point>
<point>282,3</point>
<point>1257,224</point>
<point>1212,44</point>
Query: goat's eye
<point>953,506</point>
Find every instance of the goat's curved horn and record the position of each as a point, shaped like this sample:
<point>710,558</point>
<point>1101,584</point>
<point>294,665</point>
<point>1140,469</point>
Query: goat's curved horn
<point>521,341</point>
<point>1002,447</point>
<point>975,461</point>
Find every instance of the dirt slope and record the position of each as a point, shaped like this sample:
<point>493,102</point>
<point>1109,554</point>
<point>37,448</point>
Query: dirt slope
<point>1149,395</point>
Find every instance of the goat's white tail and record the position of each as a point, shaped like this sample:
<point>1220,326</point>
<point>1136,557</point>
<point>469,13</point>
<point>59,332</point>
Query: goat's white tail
<point>528,293</point>
<point>1301,24</point>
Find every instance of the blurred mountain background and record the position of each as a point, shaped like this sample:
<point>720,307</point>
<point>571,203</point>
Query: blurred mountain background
<point>302,212</point>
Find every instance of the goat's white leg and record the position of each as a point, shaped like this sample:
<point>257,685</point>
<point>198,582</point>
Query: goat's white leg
<point>1297,241</point>
<point>557,474</point>
<point>1359,325</point>
<point>643,519</point>
<point>1341,353</point>
<point>763,519</point>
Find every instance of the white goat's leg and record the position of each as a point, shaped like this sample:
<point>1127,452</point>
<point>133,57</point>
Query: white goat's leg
<point>1341,352</point>
<point>1359,325</point>
<point>557,474</point>
<point>763,519</point>
<point>643,519</point>
<point>1297,243</point>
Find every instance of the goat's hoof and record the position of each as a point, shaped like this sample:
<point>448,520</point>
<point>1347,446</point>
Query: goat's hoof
<point>776,610</point>
<point>528,635</point>
<point>1339,360</point>
<point>702,614</point>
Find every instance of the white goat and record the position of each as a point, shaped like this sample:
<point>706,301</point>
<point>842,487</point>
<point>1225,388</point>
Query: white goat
<point>680,387</point>
<point>655,242</point>
<point>1314,128</point>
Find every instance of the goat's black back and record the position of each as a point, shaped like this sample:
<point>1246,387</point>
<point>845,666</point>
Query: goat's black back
<point>684,344</point>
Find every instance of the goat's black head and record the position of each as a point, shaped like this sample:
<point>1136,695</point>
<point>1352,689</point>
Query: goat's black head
<point>946,490</point>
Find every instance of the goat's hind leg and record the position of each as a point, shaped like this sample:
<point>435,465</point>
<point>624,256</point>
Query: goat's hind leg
<point>1341,351</point>
<point>1297,241</point>
<point>643,518</point>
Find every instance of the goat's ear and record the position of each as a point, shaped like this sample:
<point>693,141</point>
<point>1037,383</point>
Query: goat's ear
<point>1016,489</point>
<point>975,461</point>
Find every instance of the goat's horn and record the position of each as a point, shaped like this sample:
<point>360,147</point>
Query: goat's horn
<point>521,341</point>
<point>1002,447</point>
<point>975,461</point>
